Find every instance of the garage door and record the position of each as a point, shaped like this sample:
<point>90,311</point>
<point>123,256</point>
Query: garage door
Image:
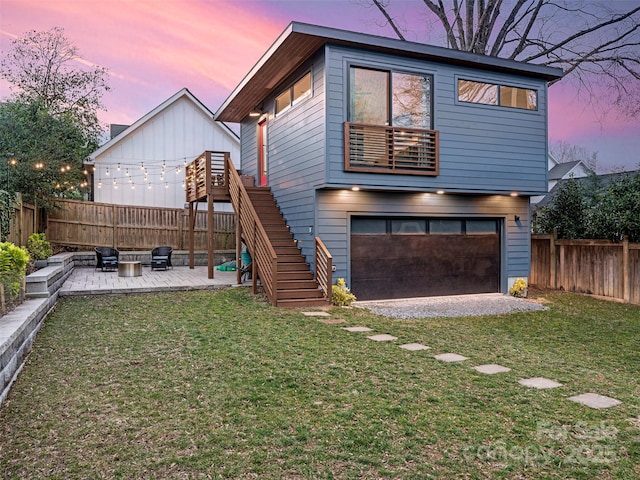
<point>423,257</point>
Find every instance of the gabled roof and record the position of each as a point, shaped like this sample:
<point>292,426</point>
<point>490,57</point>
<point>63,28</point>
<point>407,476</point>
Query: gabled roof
<point>184,93</point>
<point>594,180</point>
<point>300,40</point>
<point>563,169</point>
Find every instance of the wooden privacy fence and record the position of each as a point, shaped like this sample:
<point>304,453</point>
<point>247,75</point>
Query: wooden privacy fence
<point>23,224</point>
<point>598,267</point>
<point>125,227</point>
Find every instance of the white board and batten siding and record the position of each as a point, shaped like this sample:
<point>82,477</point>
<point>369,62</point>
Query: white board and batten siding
<point>163,141</point>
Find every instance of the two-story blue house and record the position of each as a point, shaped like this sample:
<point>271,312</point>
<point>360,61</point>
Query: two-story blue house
<point>413,164</point>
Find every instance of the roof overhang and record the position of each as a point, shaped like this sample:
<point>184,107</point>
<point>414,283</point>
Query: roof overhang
<point>299,41</point>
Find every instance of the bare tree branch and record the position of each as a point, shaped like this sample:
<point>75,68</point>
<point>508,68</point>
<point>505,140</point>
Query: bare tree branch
<point>390,20</point>
<point>596,43</point>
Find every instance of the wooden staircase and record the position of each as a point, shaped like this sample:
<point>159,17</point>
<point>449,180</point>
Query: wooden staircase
<point>295,284</point>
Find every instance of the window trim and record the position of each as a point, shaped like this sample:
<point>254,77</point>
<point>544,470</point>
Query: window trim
<point>498,86</point>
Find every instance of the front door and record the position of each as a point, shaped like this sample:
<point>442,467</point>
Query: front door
<point>262,153</point>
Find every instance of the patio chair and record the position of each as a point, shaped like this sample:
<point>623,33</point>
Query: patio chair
<point>161,257</point>
<point>107,258</point>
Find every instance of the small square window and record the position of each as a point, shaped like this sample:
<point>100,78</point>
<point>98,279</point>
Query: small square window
<point>477,92</point>
<point>518,98</point>
<point>408,227</point>
<point>445,226</point>
<point>481,226</point>
<point>302,87</point>
<point>369,226</point>
<point>283,101</point>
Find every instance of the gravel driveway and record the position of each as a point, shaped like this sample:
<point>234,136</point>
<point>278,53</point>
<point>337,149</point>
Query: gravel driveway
<point>451,306</point>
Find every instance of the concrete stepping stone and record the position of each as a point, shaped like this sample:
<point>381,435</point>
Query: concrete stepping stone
<point>491,369</point>
<point>539,382</point>
<point>414,347</point>
<point>358,329</point>
<point>331,321</point>
<point>594,400</point>
<point>450,357</point>
<point>383,337</point>
<point>316,314</point>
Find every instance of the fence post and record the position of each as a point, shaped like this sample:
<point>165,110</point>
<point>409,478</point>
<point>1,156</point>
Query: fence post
<point>553,260</point>
<point>626,271</point>
<point>181,229</point>
<point>114,216</point>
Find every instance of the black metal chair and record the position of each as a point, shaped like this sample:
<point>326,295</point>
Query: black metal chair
<point>107,258</point>
<point>161,257</point>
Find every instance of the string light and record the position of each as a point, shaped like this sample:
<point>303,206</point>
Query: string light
<point>118,167</point>
<point>99,183</point>
<point>107,172</point>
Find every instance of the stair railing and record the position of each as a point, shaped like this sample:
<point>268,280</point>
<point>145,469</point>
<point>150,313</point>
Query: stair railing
<point>324,268</point>
<point>263,255</point>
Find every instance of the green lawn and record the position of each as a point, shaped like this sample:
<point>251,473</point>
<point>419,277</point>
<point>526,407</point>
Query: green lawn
<point>220,385</point>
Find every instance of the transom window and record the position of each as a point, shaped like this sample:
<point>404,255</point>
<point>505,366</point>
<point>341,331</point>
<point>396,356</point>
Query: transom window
<point>293,94</point>
<point>494,94</point>
<point>382,97</point>
<point>423,226</point>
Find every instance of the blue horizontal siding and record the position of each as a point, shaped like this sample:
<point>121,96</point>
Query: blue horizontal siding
<point>335,208</point>
<point>509,143</point>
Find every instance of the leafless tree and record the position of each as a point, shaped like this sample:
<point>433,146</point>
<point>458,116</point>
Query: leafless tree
<point>596,43</point>
<point>565,152</point>
<point>46,68</point>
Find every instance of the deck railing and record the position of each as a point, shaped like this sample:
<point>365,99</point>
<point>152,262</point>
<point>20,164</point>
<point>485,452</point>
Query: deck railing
<point>263,255</point>
<point>204,174</point>
<point>385,149</point>
<point>324,267</point>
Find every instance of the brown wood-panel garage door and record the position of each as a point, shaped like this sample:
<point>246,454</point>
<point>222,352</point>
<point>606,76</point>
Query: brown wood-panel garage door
<point>410,257</point>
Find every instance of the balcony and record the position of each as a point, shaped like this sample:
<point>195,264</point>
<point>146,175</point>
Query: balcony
<point>396,150</point>
<point>205,175</point>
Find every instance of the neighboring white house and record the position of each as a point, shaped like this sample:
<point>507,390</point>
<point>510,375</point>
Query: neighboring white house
<point>562,171</point>
<point>145,163</point>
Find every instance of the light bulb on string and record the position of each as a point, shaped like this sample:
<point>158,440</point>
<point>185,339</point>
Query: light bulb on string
<point>107,172</point>
<point>118,167</point>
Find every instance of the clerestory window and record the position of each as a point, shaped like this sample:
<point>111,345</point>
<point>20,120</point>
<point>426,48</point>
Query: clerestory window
<point>494,94</point>
<point>294,93</point>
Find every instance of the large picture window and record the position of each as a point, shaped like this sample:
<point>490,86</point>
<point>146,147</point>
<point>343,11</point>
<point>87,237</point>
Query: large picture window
<point>381,97</point>
<point>493,94</point>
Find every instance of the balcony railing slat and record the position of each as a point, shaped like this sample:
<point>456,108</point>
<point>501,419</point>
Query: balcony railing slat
<point>385,149</point>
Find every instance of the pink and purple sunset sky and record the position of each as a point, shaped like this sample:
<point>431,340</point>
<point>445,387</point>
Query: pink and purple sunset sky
<point>154,48</point>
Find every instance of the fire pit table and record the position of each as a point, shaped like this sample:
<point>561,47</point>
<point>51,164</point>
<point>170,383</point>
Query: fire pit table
<point>129,269</point>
